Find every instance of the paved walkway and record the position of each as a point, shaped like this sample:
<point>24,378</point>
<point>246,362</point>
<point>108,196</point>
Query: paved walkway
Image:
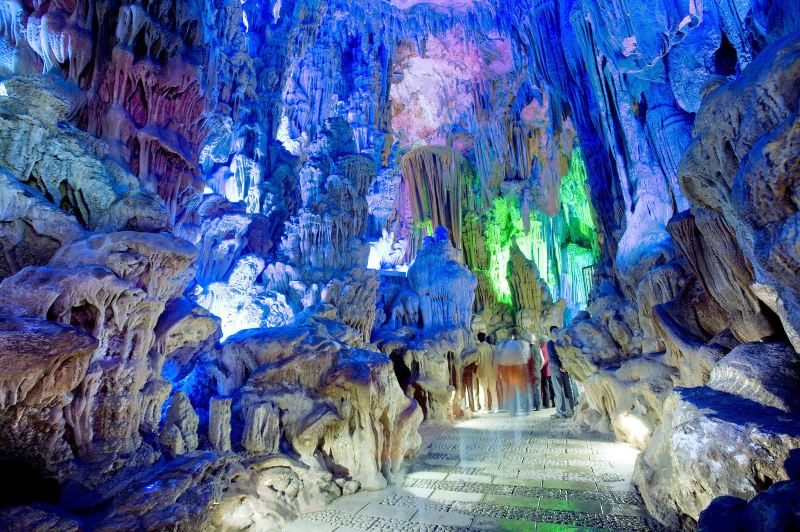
<point>499,473</point>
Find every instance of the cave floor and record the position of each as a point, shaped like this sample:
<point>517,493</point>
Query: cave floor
<point>494,472</point>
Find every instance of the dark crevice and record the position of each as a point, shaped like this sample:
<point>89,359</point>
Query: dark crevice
<point>26,484</point>
<point>725,58</point>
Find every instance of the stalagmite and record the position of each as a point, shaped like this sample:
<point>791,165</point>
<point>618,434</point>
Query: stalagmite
<point>261,429</point>
<point>248,246</point>
<point>219,423</point>
<point>179,432</point>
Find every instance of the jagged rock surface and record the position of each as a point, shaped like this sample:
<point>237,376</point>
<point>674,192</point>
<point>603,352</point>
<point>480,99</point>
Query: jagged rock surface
<point>724,438</point>
<point>426,326</point>
<point>252,158</point>
<point>772,509</point>
<point>32,229</point>
<point>344,404</point>
<point>42,364</point>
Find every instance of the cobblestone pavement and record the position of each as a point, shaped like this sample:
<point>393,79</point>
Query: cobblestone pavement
<point>494,472</point>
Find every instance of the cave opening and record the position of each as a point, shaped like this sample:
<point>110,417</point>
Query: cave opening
<point>27,484</point>
<point>85,317</point>
<point>726,59</point>
<point>140,48</point>
<point>403,373</point>
<point>398,264</point>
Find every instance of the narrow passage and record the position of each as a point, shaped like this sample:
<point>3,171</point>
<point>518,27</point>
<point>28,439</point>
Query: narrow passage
<point>494,472</point>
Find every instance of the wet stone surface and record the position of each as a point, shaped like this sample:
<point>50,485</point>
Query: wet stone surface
<point>499,473</point>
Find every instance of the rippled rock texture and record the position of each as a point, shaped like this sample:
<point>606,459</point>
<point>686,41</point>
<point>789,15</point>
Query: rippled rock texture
<point>774,508</point>
<point>718,417</point>
<point>247,245</point>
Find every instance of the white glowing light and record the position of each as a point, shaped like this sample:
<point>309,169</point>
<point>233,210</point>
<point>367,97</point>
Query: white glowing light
<point>241,303</point>
<point>634,429</point>
<point>208,191</point>
<point>284,136</point>
<point>3,90</point>
<point>387,254</point>
<point>242,310</point>
<point>378,251</point>
<point>374,261</point>
<point>276,11</point>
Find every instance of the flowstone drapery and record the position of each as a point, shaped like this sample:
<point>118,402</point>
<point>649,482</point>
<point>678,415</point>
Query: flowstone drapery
<point>246,247</point>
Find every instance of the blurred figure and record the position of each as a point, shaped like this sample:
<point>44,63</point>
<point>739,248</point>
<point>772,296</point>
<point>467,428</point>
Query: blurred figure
<point>487,376</point>
<point>535,364</point>
<point>561,382</point>
<point>469,383</point>
<point>512,362</point>
<point>575,390</point>
<point>548,393</point>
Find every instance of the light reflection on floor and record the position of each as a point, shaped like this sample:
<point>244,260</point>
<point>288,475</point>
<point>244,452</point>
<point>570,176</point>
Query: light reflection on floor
<point>494,472</point>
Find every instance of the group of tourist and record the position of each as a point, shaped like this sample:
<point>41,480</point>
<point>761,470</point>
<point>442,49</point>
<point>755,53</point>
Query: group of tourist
<point>523,374</point>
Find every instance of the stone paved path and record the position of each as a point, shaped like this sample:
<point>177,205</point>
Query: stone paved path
<point>499,473</point>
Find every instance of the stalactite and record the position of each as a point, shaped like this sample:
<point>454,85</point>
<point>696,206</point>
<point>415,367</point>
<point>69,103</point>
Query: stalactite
<point>528,156</point>
<point>528,292</point>
<point>435,180</point>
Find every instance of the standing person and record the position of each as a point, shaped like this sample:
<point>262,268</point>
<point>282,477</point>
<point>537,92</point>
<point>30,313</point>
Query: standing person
<point>487,376</point>
<point>561,384</point>
<point>548,394</point>
<point>535,364</point>
<point>512,368</point>
<point>575,393</point>
<point>501,397</point>
<point>469,383</point>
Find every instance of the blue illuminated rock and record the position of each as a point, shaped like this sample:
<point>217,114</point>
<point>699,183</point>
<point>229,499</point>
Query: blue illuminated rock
<point>34,229</point>
<point>773,509</point>
<point>41,364</point>
<point>281,224</point>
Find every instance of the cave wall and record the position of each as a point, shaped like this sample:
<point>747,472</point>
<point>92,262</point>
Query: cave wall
<point>196,196</point>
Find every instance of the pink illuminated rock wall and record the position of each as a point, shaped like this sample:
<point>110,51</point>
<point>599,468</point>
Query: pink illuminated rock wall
<point>246,243</point>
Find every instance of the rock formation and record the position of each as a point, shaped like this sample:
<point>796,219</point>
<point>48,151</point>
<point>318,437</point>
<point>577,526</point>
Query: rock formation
<point>705,410</point>
<point>773,508</point>
<point>246,247</point>
<point>426,327</point>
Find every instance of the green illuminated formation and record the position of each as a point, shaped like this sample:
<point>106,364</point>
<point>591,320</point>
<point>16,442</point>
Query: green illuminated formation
<point>503,223</point>
<point>423,228</point>
<point>566,264</point>
<point>503,226</point>
<point>577,206</point>
<point>581,250</point>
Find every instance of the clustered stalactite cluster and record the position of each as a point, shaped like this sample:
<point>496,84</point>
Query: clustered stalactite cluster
<point>191,193</point>
<point>435,181</point>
